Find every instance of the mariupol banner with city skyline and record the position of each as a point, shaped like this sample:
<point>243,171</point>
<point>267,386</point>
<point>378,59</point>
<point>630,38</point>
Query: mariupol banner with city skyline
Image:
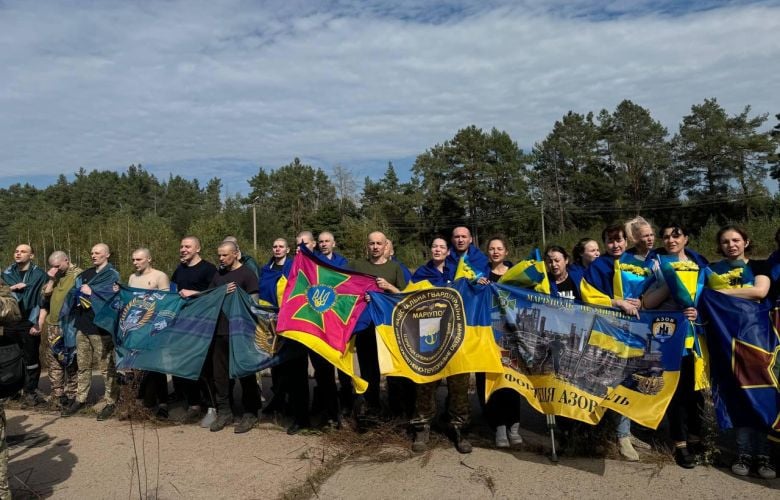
<point>577,361</point>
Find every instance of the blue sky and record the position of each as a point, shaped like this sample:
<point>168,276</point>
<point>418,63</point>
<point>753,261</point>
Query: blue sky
<point>206,89</point>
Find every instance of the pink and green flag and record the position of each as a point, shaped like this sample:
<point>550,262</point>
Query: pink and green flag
<point>320,307</point>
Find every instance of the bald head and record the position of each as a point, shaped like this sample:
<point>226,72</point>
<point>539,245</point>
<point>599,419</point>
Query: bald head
<point>377,242</point>
<point>389,249</point>
<point>326,243</point>
<point>307,238</point>
<point>461,239</point>
<point>228,255</point>
<point>189,250</point>
<point>142,260</point>
<point>60,261</point>
<point>99,255</point>
<point>23,255</point>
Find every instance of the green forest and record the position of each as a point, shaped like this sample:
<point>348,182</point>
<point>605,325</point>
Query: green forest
<point>592,169</point>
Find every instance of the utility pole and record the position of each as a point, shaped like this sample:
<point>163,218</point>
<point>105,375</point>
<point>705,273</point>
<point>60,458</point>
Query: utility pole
<point>254,224</point>
<point>544,238</point>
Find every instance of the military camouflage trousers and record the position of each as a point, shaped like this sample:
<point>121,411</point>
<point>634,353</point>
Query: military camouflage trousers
<point>63,380</point>
<point>458,407</point>
<point>96,350</point>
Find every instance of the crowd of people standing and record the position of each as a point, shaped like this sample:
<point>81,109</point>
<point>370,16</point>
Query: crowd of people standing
<point>586,274</point>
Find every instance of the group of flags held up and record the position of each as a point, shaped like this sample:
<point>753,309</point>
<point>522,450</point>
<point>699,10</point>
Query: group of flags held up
<point>566,358</point>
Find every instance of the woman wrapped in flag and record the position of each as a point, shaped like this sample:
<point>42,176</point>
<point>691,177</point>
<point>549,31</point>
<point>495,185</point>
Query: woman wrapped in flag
<point>681,277</point>
<point>617,279</point>
<point>436,273</point>
<point>641,234</point>
<point>749,279</point>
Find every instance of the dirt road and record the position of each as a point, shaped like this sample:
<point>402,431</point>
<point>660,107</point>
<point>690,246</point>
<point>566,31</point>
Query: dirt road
<point>81,458</point>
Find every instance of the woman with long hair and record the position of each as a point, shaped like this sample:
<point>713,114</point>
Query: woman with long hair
<point>739,276</point>
<point>681,272</point>
<point>502,410</point>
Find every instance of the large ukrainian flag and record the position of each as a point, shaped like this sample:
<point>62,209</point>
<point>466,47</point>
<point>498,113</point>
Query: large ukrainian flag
<point>431,334</point>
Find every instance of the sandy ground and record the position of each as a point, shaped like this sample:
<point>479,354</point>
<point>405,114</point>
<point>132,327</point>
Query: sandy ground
<point>82,458</point>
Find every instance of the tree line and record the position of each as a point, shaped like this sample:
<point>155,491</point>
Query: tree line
<point>590,170</point>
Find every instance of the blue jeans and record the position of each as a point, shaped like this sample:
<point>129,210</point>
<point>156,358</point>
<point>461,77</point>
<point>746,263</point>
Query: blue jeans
<point>751,441</point>
<point>623,426</point>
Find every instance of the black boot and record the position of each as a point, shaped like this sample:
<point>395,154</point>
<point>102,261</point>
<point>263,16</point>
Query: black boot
<point>461,443</point>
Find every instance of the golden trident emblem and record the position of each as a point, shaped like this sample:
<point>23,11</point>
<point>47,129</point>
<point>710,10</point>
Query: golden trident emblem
<point>320,297</point>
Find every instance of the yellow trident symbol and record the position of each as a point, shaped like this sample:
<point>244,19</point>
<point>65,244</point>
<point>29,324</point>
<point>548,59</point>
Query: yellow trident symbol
<point>320,297</point>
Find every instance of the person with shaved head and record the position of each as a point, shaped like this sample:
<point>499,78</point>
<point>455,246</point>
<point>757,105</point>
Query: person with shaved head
<point>390,278</point>
<point>26,281</point>
<point>192,276</point>
<point>326,249</point>
<point>61,278</point>
<point>244,259</point>
<point>145,276</point>
<point>154,385</point>
<point>93,344</point>
<point>235,275</point>
<point>463,246</point>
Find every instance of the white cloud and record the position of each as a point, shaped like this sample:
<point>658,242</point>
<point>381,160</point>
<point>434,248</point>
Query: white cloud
<point>103,85</point>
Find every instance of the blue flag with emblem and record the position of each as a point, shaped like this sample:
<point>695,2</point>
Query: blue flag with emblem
<point>744,349</point>
<point>160,331</point>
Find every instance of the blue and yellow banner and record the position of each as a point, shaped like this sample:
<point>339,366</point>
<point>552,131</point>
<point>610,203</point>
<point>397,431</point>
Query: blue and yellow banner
<point>577,361</point>
<point>528,273</point>
<point>744,348</point>
<point>431,334</point>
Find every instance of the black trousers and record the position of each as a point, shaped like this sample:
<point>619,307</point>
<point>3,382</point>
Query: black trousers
<point>365,345</point>
<point>327,391</point>
<point>296,375</point>
<point>401,392</point>
<point>191,390</point>
<point>154,389</point>
<point>503,407</point>
<point>219,353</point>
<point>686,405</point>
<point>30,345</point>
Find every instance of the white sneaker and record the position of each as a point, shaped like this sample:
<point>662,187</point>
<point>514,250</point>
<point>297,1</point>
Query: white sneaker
<point>515,439</point>
<point>627,450</point>
<point>501,439</point>
<point>209,418</point>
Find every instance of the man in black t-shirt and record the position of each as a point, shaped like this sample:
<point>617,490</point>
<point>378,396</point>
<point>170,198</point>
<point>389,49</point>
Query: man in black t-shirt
<point>192,276</point>
<point>232,273</point>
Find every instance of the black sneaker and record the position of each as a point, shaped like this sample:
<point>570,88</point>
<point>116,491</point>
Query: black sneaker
<point>72,409</point>
<point>106,412</point>
<point>193,415</point>
<point>64,402</point>
<point>161,413</point>
<point>294,429</point>
<point>684,458</point>
<point>742,466</point>
<point>765,468</point>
